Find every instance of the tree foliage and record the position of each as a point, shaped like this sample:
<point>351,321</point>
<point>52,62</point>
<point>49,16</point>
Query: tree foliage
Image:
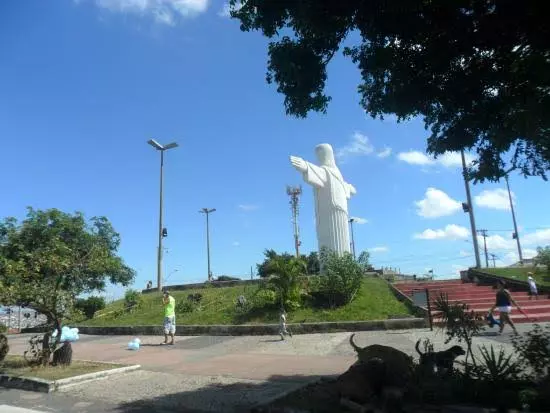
<point>477,71</point>
<point>51,257</point>
<point>311,262</point>
<point>341,277</point>
<point>285,278</point>
<point>543,257</point>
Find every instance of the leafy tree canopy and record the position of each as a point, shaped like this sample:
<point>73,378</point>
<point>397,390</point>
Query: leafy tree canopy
<point>51,257</point>
<point>477,71</point>
<point>310,261</point>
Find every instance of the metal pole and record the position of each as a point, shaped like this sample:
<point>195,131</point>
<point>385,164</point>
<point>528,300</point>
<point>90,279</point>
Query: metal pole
<point>352,238</point>
<point>159,256</point>
<point>208,246</point>
<point>484,235</point>
<point>470,210</point>
<point>207,212</point>
<point>514,219</point>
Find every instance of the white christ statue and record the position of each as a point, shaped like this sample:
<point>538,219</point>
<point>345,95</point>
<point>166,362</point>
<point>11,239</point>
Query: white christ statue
<point>331,198</point>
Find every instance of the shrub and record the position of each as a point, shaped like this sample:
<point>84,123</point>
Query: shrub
<point>533,349</point>
<point>3,328</point>
<point>132,300</point>
<point>340,279</point>
<point>264,297</point>
<point>186,306</point>
<point>285,278</point>
<point>227,278</point>
<point>89,306</point>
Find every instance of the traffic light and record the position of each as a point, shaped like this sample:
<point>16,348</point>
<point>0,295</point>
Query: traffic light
<point>465,207</point>
<point>514,235</point>
<point>164,233</point>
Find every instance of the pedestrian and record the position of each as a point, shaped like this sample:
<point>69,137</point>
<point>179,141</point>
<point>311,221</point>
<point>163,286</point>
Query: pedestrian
<point>282,325</point>
<point>532,287</point>
<point>169,317</point>
<point>504,303</point>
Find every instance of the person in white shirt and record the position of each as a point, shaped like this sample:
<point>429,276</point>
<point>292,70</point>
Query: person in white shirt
<point>532,287</point>
<point>282,325</point>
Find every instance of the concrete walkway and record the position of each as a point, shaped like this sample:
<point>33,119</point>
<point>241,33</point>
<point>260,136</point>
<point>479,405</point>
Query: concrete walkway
<point>212,374</point>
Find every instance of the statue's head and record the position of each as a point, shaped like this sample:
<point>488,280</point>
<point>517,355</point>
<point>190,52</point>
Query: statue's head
<point>325,154</point>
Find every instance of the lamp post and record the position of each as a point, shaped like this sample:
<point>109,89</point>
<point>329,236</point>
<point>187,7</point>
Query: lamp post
<point>468,207</point>
<point>162,231</point>
<point>207,212</point>
<point>516,234</point>
<point>352,238</point>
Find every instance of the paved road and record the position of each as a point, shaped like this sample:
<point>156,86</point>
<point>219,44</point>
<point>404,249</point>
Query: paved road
<point>209,374</point>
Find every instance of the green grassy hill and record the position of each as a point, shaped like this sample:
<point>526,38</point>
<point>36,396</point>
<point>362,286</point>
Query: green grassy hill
<point>374,301</point>
<point>542,277</point>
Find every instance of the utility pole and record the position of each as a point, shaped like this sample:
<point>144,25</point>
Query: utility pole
<point>351,220</point>
<point>468,207</point>
<point>207,212</point>
<point>516,233</point>
<point>162,231</point>
<point>294,194</point>
<point>494,257</point>
<point>483,233</point>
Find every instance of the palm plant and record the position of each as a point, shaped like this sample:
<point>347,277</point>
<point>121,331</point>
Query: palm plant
<point>285,277</point>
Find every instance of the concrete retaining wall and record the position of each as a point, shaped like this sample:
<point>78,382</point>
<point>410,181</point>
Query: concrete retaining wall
<point>215,284</point>
<point>255,330</point>
<point>482,278</point>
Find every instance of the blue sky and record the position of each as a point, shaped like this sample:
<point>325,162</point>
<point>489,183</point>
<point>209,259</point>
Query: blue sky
<point>84,84</point>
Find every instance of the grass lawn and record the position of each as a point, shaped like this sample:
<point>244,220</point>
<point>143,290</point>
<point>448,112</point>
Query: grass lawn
<point>374,301</point>
<point>541,276</point>
<point>17,366</point>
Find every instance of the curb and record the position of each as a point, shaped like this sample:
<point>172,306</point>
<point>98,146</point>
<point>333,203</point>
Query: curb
<point>48,386</point>
<point>256,330</point>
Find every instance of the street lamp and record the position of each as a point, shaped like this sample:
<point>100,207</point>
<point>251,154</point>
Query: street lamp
<point>207,212</point>
<point>468,208</point>
<point>352,239</point>
<point>516,233</point>
<point>162,231</point>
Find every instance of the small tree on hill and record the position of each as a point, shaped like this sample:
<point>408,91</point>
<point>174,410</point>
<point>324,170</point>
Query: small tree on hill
<point>311,262</point>
<point>285,278</point>
<point>51,257</point>
<point>543,257</point>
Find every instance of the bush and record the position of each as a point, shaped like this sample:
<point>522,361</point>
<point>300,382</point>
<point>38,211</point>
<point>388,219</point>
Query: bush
<point>132,300</point>
<point>227,278</point>
<point>265,297</point>
<point>340,279</point>
<point>3,328</point>
<point>533,350</point>
<point>285,278</point>
<point>89,306</point>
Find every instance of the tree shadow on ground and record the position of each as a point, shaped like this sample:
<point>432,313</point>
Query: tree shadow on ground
<point>239,397</point>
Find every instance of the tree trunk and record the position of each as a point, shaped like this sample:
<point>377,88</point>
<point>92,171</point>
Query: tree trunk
<point>47,346</point>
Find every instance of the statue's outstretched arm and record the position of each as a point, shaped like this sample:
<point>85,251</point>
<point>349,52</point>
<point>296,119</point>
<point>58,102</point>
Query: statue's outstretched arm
<point>312,174</point>
<point>352,189</point>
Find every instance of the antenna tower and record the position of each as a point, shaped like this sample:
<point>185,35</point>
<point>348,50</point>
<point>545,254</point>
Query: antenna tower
<point>294,193</point>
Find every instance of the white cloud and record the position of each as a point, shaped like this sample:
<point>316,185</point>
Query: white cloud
<point>451,232</point>
<point>248,207</point>
<point>500,243</point>
<point>448,159</point>
<point>236,243</point>
<point>540,238</point>
<point>463,253</point>
<point>162,11</point>
<point>379,249</point>
<point>360,221</point>
<point>226,10</point>
<point>384,153</point>
<point>494,199</point>
<point>437,203</point>
<point>358,146</point>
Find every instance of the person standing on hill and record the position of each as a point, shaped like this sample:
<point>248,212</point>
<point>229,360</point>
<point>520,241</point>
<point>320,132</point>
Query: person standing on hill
<point>504,303</point>
<point>169,317</point>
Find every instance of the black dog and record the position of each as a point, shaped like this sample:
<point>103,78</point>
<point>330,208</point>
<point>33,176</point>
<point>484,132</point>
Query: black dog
<point>443,360</point>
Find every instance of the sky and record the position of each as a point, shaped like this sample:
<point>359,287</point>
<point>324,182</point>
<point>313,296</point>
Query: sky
<point>84,84</point>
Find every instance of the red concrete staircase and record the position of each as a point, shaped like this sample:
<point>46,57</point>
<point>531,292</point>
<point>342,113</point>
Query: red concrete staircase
<point>480,298</point>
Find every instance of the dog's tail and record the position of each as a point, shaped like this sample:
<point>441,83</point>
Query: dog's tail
<point>355,346</point>
<point>417,347</point>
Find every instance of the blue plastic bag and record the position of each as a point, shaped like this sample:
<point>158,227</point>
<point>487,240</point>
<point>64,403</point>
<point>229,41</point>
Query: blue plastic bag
<point>134,344</point>
<point>67,334</point>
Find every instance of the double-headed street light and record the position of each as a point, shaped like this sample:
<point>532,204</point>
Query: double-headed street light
<point>162,231</point>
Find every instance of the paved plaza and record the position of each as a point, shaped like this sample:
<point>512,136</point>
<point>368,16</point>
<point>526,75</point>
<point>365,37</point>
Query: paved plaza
<point>211,374</point>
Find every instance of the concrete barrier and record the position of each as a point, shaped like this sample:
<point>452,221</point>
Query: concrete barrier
<point>255,330</point>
